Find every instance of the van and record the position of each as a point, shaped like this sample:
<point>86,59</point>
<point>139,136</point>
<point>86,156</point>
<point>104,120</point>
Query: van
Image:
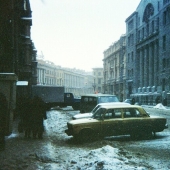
<point>89,101</point>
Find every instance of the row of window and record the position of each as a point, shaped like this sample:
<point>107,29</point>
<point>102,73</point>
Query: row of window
<point>98,73</point>
<point>165,2</point>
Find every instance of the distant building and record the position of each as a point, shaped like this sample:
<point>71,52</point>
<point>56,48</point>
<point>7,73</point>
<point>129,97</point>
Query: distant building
<point>98,80</point>
<point>114,63</point>
<point>74,80</point>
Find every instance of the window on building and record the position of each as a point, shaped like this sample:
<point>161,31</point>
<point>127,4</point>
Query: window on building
<point>129,41</point>
<point>132,39</point>
<point>152,26</point>
<point>99,81</point>
<point>164,42</point>
<point>128,57</point>
<point>143,32</point>
<point>130,25</point>
<point>163,84</point>
<point>164,63</point>
<point>149,11</point>
<point>139,35</point>
<point>168,14</point>
<point>147,29</point>
<point>132,56</point>
<point>99,73</point>
<point>165,2</point>
<point>164,17</point>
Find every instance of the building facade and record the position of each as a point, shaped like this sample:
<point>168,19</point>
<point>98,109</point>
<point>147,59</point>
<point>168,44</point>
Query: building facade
<point>75,81</point>
<point>148,52</point>
<point>17,51</point>
<point>114,64</point>
<point>97,80</point>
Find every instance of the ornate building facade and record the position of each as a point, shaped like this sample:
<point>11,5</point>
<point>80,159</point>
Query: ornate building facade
<point>114,64</point>
<point>138,64</point>
<point>148,52</point>
<point>98,80</point>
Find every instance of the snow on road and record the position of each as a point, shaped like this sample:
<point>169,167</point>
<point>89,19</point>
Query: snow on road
<point>57,151</point>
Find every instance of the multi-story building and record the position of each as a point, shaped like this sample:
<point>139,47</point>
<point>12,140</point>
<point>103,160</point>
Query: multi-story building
<point>148,52</point>
<point>98,80</point>
<point>76,81</point>
<point>17,51</point>
<point>114,64</point>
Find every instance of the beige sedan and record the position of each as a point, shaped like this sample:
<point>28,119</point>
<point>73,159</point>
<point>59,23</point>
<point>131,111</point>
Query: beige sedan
<point>116,120</point>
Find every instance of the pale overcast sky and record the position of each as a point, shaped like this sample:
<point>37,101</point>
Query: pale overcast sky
<point>75,33</point>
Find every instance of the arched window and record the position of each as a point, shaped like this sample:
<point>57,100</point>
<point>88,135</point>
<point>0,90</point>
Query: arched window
<point>149,11</point>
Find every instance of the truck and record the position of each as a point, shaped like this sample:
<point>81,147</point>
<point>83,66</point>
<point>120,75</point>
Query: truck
<point>51,95</point>
<point>55,96</point>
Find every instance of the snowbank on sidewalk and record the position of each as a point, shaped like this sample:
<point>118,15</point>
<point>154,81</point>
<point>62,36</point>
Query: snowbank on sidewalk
<point>159,106</point>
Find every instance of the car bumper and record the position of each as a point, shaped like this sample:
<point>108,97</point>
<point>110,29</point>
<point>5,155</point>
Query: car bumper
<point>68,132</point>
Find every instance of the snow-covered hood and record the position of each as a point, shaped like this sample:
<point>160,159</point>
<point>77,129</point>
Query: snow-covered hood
<point>81,116</point>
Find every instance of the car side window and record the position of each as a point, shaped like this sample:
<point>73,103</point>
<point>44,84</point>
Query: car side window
<point>109,114</point>
<point>118,113</point>
<point>131,113</point>
<point>99,113</point>
<point>85,99</point>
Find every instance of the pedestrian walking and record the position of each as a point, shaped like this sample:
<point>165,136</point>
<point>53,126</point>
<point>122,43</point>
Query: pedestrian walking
<point>38,116</point>
<point>3,114</point>
<point>133,101</point>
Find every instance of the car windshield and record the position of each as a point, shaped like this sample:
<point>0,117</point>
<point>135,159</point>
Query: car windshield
<point>94,110</point>
<point>99,112</point>
<point>107,99</point>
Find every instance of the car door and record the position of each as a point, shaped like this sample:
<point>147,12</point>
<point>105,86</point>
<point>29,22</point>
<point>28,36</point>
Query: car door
<point>132,121</point>
<point>111,124</point>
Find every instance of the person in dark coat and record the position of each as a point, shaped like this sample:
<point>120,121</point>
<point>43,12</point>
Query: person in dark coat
<point>3,113</point>
<point>24,111</point>
<point>38,115</point>
<point>133,101</point>
<point>26,118</point>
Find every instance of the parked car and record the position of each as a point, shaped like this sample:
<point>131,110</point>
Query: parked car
<point>116,120</point>
<point>89,101</point>
<point>90,114</point>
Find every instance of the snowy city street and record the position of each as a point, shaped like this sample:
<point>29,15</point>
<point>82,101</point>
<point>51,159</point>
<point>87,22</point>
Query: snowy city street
<point>57,151</point>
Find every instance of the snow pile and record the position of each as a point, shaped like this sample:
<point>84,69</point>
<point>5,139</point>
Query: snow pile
<point>108,158</point>
<point>159,106</point>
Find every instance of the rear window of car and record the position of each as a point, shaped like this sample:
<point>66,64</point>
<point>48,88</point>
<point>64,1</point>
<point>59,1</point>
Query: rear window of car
<point>107,99</point>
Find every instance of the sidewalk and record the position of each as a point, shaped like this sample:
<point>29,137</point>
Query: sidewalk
<point>158,106</point>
